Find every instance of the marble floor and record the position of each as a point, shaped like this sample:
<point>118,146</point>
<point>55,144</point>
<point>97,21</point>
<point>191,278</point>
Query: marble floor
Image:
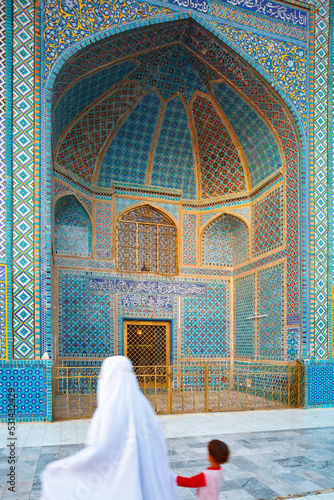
<point>274,454</point>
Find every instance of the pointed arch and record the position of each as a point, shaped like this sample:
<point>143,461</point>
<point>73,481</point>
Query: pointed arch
<point>72,227</point>
<point>146,241</point>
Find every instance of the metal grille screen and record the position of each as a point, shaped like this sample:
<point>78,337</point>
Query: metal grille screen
<point>146,345</point>
<point>146,242</point>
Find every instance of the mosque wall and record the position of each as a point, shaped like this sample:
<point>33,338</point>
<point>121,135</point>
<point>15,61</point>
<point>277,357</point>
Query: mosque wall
<point>90,324</point>
<point>280,48</point>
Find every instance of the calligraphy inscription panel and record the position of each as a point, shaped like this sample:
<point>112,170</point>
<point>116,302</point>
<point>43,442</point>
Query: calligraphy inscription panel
<point>279,11</point>
<point>146,287</point>
<point>147,301</point>
<point>199,5</point>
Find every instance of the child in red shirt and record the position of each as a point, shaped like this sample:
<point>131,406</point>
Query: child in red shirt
<point>208,483</point>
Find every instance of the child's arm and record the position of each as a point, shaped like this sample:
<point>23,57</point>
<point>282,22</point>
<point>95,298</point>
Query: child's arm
<point>197,481</point>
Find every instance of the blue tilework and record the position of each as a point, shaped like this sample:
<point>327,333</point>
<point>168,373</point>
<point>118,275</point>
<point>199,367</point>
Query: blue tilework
<point>21,197</point>
<point>292,343</point>
<point>319,383</point>
<point>31,383</point>
<point>85,319</point>
<point>225,242</point>
<point>72,228</point>
<point>285,65</point>
<point>80,147</point>
<point>206,323</point>
<point>89,89</point>
<point>244,306</point>
<point>267,223</point>
<point>126,159</point>
<point>257,140</point>
<point>3,128</point>
<point>270,289</point>
<point>83,19</point>
<point>173,162</point>
<point>222,171</point>
<point>123,203</point>
<point>189,239</point>
<point>173,70</point>
<point>103,231</point>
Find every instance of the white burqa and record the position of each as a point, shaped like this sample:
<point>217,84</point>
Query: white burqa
<point>126,456</point>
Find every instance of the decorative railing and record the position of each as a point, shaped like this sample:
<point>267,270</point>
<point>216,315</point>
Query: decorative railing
<point>187,387</point>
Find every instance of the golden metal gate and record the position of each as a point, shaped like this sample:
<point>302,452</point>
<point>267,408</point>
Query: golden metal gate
<point>191,387</point>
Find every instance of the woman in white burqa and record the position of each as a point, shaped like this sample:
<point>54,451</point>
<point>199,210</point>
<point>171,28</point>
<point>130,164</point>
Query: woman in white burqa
<point>126,456</point>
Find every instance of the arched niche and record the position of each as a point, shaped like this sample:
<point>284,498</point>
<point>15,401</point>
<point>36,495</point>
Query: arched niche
<point>72,228</point>
<point>225,242</point>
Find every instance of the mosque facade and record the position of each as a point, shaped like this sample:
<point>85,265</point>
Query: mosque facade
<point>165,164</point>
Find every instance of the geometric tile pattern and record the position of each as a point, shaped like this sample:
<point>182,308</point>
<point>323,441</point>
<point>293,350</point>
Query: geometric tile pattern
<point>2,128</point>
<point>112,50</point>
<point>59,189</point>
<point>222,171</point>
<point>3,313</point>
<point>292,343</point>
<point>267,223</point>
<point>86,264</point>
<point>243,211</point>
<point>244,306</point>
<point>173,70</point>
<point>82,19</point>
<point>32,387</point>
<point>322,181</point>
<point>286,64</point>
<point>189,238</point>
<point>127,156</point>
<point>85,319</point>
<point>206,323</point>
<point>270,300</point>
<point>23,189</point>
<point>103,231</point>
<point>72,228</point>
<point>259,22</point>
<point>81,145</point>
<point>123,203</point>
<point>225,242</point>
<point>257,141</point>
<point>89,89</point>
<point>319,383</point>
<point>173,162</point>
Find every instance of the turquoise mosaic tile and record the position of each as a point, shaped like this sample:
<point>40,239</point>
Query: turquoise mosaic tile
<point>257,140</point>
<point>244,306</point>
<point>206,323</point>
<point>85,319</point>
<point>30,383</point>
<point>267,223</point>
<point>72,228</point>
<point>225,242</point>
<point>127,156</point>
<point>89,89</point>
<point>173,162</point>
<point>270,292</point>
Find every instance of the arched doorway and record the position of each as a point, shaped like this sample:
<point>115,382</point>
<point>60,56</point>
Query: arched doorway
<point>167,116</point>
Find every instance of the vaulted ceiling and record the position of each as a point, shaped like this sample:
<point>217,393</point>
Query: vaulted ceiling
<point>162,107</point>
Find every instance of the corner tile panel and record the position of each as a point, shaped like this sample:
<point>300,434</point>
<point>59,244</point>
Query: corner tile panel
<point>206,323</point>
<point>189,239</point>
<point>244,307</point>
<point>267,223</point>
<point>103,230</point>
<point>270,300</point>
<point>85,319</point>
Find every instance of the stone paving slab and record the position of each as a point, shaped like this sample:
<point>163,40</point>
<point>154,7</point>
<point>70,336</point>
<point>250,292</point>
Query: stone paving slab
<point>297,461</point>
